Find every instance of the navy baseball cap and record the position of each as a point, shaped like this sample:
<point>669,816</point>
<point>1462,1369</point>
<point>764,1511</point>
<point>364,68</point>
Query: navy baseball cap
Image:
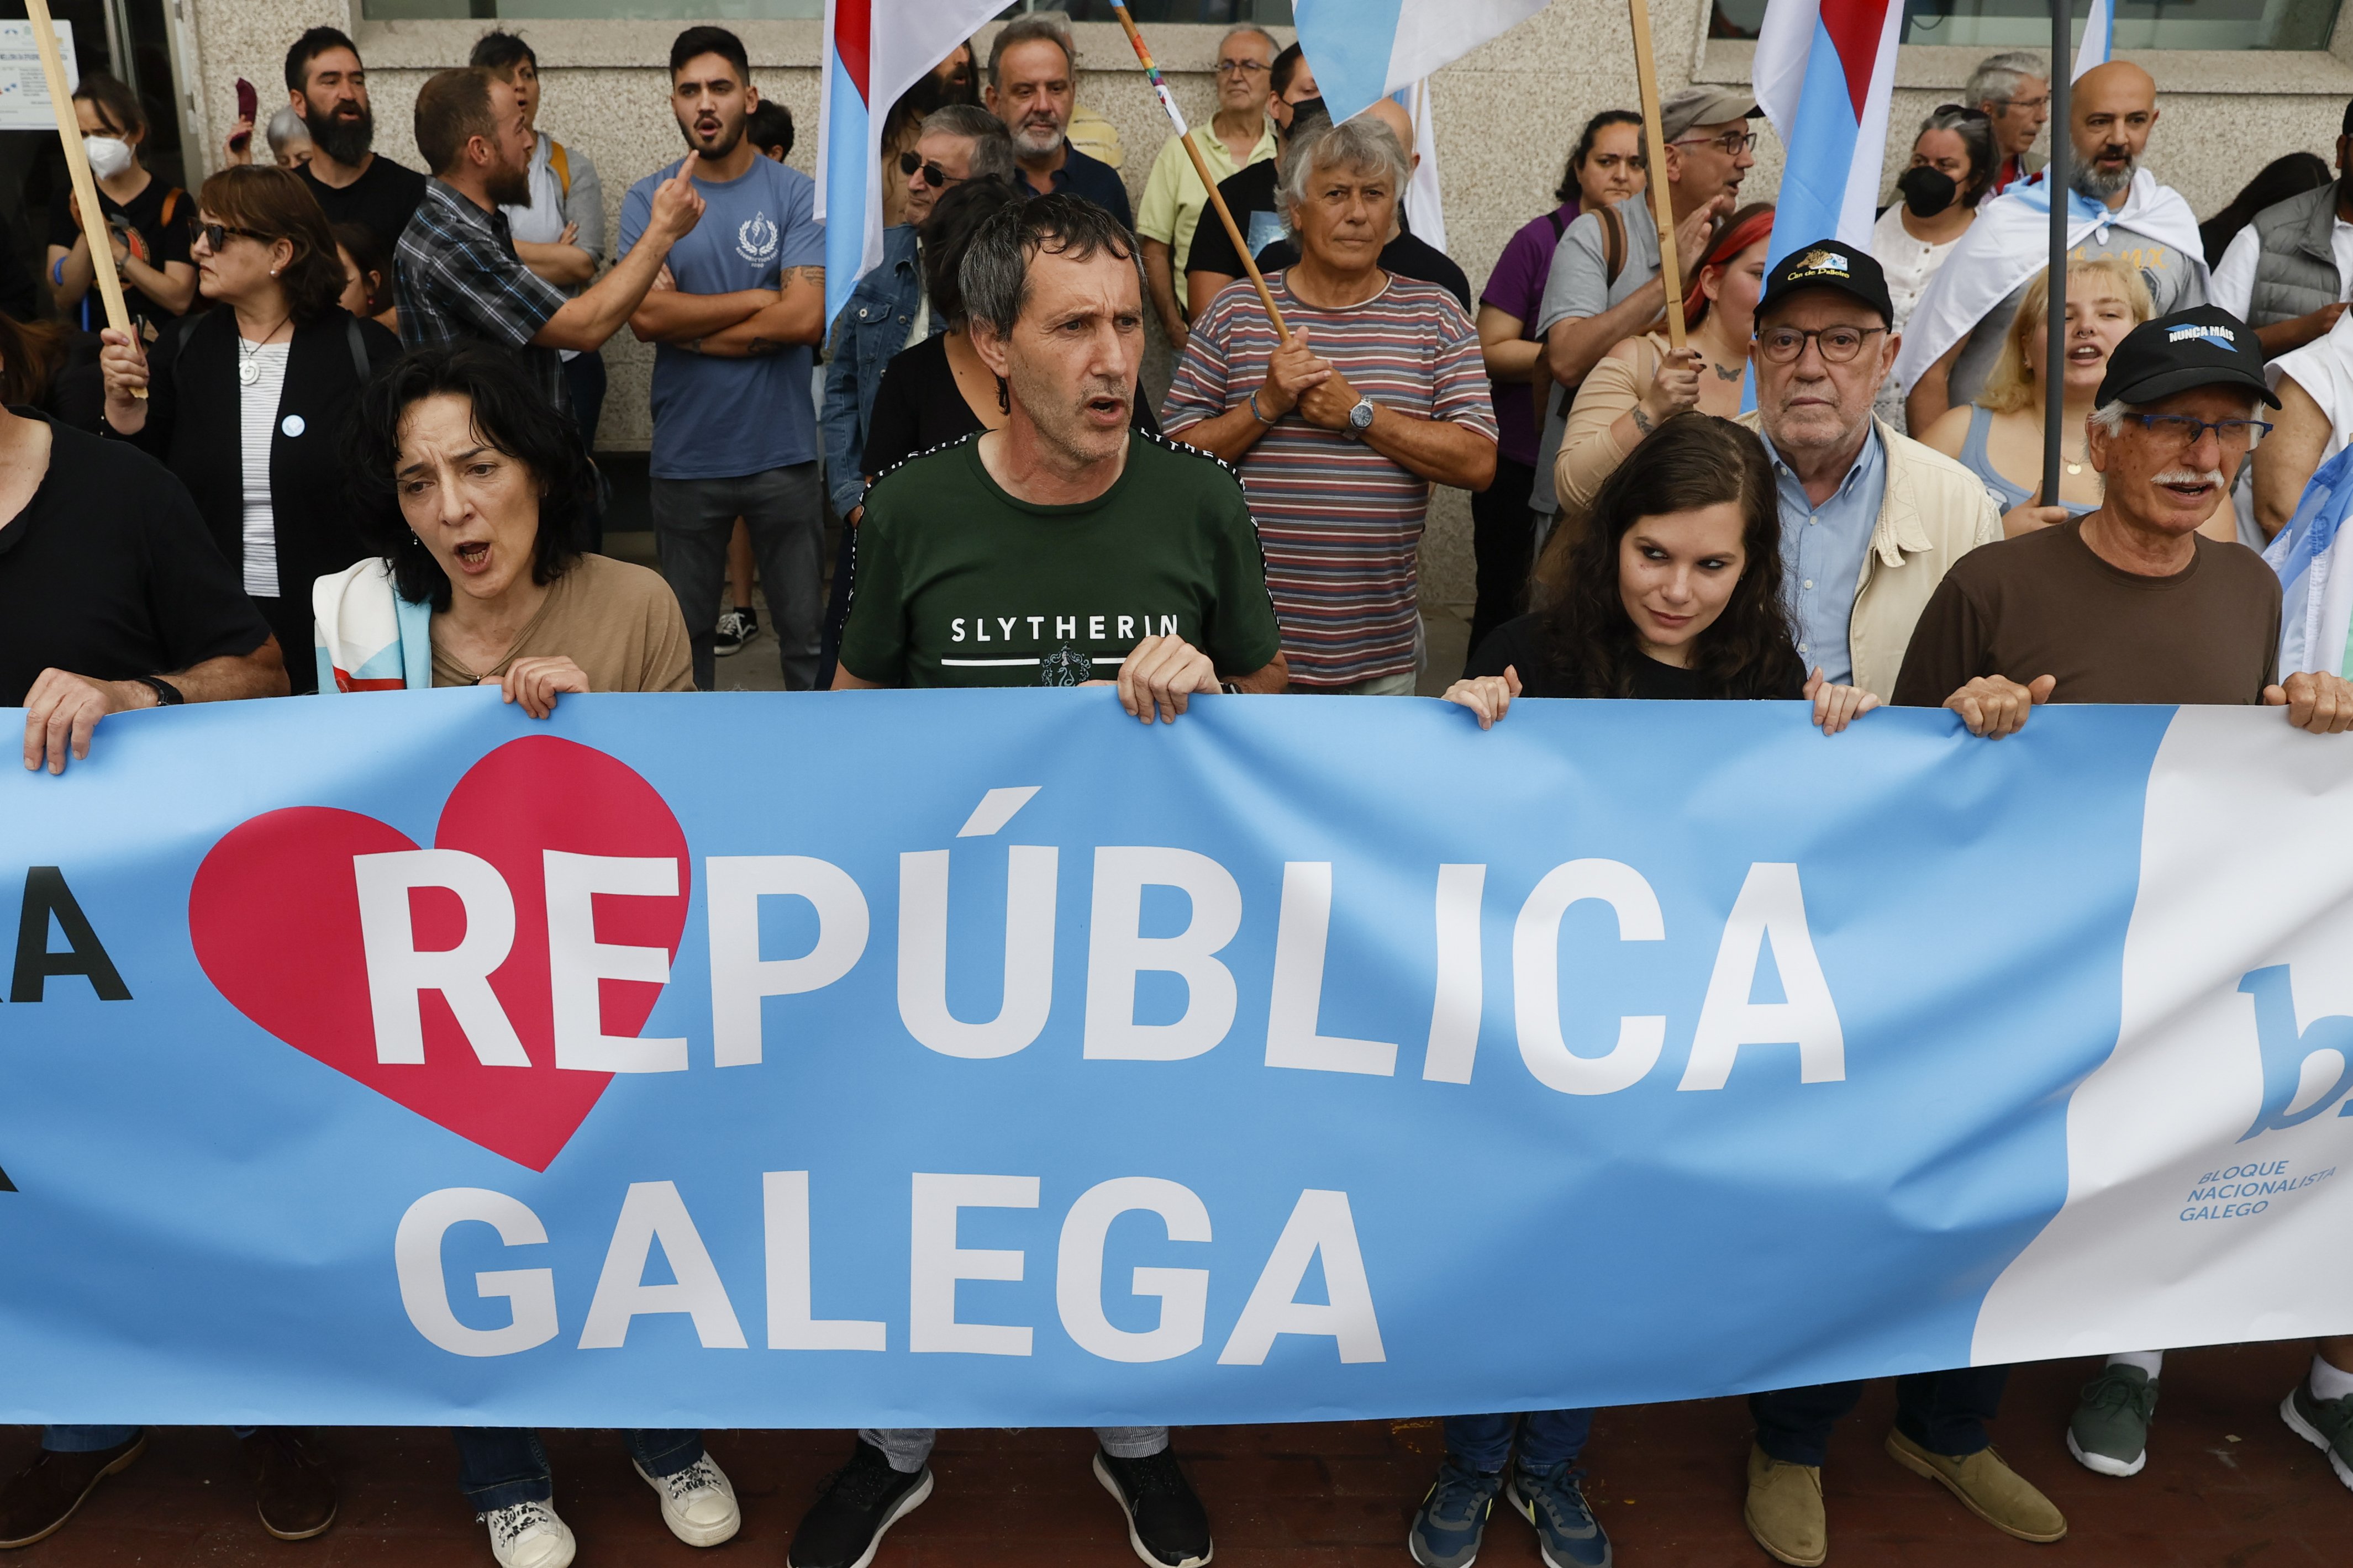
<point>2205,347</point>
<point>1829,264</point>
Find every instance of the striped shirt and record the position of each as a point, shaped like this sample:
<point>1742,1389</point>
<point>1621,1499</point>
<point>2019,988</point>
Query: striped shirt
<point>457,277</point>
<point>1341,523</point>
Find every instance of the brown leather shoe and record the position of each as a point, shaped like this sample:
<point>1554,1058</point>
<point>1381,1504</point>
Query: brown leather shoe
<point>39,1499</point>
<point>1986,1487</point>
<point>293,1487</point>
<point>1784,1511</point>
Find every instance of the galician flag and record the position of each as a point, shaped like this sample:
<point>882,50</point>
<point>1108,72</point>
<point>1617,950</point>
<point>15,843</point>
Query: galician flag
<point>874,50</point>
<point>2099,38</point>
<point>1824,72</point>
<point>1362,51</point>
<point>2314,557</point>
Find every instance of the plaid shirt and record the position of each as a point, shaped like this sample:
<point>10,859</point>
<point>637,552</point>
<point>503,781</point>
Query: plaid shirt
<point>457,277</point>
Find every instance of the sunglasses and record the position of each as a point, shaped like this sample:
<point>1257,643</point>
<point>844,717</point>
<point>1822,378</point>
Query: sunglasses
<point>215,235</point>
<point>934,176</point>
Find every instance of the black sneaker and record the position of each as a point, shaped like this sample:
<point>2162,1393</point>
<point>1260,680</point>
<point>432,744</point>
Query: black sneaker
<point>1165,1523</point>
<point>861,1501</point>
<point>736,629</point>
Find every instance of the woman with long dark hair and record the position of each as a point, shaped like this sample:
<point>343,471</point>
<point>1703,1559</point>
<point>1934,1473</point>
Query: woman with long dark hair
<point>1672,589</point>
<point>246,403</point>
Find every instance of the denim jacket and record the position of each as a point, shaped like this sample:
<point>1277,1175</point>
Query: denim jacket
<point>872,329</point>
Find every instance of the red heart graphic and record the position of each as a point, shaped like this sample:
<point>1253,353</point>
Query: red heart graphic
<point>274,916</point>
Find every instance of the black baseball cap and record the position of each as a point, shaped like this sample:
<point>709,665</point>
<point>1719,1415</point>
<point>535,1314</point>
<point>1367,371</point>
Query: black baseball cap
<point>2205,347</point>
<point>1829,264</point>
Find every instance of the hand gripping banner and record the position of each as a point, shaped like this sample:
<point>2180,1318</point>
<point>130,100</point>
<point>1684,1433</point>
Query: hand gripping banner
<point>991,1059</point>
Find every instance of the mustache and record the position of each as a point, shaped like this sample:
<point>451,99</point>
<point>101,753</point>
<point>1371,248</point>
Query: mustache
<point>2189,476</point>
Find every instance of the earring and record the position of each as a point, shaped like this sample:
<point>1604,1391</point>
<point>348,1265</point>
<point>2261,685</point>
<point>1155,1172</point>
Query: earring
<point>1004,396</point>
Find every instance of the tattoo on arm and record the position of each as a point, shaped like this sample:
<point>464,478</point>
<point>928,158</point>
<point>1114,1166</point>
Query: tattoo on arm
<point>812,276</point>
<point>759,346</point>
<point>1641,420</point>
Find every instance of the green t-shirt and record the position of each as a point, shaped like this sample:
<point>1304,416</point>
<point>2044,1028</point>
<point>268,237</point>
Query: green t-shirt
<point>959,584</point>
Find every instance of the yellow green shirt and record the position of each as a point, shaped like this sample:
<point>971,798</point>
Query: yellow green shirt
<point>1174,199</point>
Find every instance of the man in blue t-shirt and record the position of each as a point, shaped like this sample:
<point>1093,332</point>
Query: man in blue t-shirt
<point>733,319</point>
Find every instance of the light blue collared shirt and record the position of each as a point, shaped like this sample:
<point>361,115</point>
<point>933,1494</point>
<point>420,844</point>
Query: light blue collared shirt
<point>1822,552</point>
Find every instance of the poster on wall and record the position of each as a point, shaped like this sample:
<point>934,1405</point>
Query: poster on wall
<point>23,95</point>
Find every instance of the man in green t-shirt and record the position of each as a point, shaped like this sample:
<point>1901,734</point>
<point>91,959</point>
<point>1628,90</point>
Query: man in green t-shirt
<point>1053,551</point>
<point>1064,548</point>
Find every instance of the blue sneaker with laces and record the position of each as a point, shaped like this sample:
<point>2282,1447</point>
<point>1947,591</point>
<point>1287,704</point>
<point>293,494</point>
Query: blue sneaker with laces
<point>1567,1534</point>
<point>1453,1515</point>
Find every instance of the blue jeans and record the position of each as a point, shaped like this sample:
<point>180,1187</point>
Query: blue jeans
<point>694,519</point>
<point>1944,1412</point>
<point>1547,1437</point>
<point>92,1439</point>
<point>498,1467</point>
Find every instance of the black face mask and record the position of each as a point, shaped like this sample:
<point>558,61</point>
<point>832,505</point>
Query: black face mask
<point>1926,190</point>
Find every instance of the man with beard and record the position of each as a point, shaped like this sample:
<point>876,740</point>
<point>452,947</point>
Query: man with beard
<point>456,273</point>
<point>2115,207</point>
<point>327,86</point>
<point>733,320</point>
<point>1033,88</point>
<point>2288,273</point>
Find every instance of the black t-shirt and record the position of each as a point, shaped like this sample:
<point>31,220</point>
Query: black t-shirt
<point>918,407</point>
<point>107,572</point>
<point>1523,646</point>
<point>1250,196</point>
<point>381,200</point>
<point>161,219</point>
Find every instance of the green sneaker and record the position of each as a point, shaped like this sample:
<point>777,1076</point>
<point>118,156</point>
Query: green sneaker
<point>2327,1424</point>
<point>2109,1431</point>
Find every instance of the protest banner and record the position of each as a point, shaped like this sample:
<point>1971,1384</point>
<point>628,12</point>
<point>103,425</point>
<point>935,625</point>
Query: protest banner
<point>990,1058</point>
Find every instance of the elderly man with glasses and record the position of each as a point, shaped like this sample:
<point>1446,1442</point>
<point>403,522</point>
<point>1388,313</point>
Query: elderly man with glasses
<point>1175,202</point>
<point>2013,90</point>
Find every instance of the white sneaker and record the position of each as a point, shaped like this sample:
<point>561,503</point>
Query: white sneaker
<point>698,1502</point>
<point>529,1535</point>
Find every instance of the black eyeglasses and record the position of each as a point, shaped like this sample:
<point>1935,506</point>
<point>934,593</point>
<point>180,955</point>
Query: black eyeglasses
<point>2182,431</point>
<point>934,176</point>
<point>1783,345</point>
<point>1733,143</point>
<point>214,234</point>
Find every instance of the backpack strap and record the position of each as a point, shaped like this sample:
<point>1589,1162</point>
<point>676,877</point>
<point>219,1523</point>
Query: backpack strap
<point>359,348</point>
<point>558,161</point>
<point>171,203</point>
<point>1613,243</point>
<point>1559,228</point>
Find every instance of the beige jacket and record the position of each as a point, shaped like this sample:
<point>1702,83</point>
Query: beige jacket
<point>1934,511</point>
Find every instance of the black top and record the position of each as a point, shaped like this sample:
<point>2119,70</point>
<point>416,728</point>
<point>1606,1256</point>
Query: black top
<point>918,407</point>
<point>381,200</point>
<point>163,224</point>
<point>107,572</point>
<point>1090,177</point>
<point>194,424</point>
<point>19,295</point>
<point>1523,645</point>
<point>1405,256</point>
<point>1250,191</point>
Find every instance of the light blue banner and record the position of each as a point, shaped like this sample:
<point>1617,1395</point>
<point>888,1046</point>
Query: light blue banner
<point>1021,1065</point>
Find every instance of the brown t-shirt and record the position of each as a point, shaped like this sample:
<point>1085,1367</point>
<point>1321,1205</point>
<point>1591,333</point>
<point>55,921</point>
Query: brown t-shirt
<point>618,623</point>
<point>2043,604</point>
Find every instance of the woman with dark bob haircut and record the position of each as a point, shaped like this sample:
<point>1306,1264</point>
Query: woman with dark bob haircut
<point>247,402</point>
<point>1671,588</point>
<point>468,488</point>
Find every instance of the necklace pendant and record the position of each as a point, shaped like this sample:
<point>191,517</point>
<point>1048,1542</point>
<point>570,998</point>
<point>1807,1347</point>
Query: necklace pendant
<point>249,372</point>
<point>2075,468</point>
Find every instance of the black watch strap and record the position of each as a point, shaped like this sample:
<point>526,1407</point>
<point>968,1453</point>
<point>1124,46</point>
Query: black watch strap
<point>167,694</point>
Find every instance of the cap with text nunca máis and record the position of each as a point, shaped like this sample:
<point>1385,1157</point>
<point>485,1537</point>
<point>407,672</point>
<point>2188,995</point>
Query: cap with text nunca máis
<point>2205,347</point>
<point>1829,264</point>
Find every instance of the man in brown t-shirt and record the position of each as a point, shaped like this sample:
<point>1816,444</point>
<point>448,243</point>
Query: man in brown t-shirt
<point>2129,603</point>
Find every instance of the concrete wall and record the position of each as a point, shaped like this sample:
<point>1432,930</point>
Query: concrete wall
<point>1506,116</point>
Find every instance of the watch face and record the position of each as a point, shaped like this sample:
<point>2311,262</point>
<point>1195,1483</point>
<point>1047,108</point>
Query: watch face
<point>1361,416</point>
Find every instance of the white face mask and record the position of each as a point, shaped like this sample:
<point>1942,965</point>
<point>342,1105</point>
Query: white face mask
<point>109,156</point>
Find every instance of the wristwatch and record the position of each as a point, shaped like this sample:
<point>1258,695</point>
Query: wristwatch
<point>1360,419</point>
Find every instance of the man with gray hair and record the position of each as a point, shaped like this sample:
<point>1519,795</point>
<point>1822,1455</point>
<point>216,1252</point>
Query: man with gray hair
<point>1340,429</point>
<point>2013,89</point>
<point>1033,87</point>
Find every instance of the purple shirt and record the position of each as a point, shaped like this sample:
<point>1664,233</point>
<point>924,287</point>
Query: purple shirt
<point>1516,288</point>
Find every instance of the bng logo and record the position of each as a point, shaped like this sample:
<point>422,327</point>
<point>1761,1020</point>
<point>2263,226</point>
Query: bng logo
<point>755,241</point>
<point>2304,1072</point>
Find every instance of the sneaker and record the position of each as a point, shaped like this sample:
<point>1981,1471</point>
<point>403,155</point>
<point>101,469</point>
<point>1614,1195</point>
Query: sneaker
<point>529,1535</point>
<point>736,629</point>
<point>36,1502</point>
<point>1784,1511</point>
<point>698,1503</point>
<point>2327,1424</point>
<point>1166,1524</point>
<point>293,1490</point>
<point>1452,1518</point>
<point>1567,1535</point>
<point>861,1501</point>
<point>1986,1487</point>
<point>2109,1431</point>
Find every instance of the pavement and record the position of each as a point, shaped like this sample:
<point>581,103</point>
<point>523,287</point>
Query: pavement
<point>2227,1487</point>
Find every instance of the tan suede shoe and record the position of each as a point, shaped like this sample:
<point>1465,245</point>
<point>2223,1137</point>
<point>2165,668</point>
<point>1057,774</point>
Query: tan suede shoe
<point>1987,1487</point>
<point>1785,1510</point>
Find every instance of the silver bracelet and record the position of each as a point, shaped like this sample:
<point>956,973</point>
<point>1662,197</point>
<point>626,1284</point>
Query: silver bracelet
<point>1253,408</point>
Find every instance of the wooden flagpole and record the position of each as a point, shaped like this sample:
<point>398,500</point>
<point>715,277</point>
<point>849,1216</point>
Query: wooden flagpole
<point>1201,167</point>
<point>1654,137</point>
<point>93,216</point>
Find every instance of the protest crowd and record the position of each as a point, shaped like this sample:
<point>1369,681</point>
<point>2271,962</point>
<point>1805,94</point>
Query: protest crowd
<point>348,445</point>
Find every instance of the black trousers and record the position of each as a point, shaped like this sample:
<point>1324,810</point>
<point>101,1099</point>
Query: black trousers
<point>1944,1412</point>
<point>1503,543</point>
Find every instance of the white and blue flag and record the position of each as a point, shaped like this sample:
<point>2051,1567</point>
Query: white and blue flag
<point>1363,50</point>
<point>2310,554</point>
